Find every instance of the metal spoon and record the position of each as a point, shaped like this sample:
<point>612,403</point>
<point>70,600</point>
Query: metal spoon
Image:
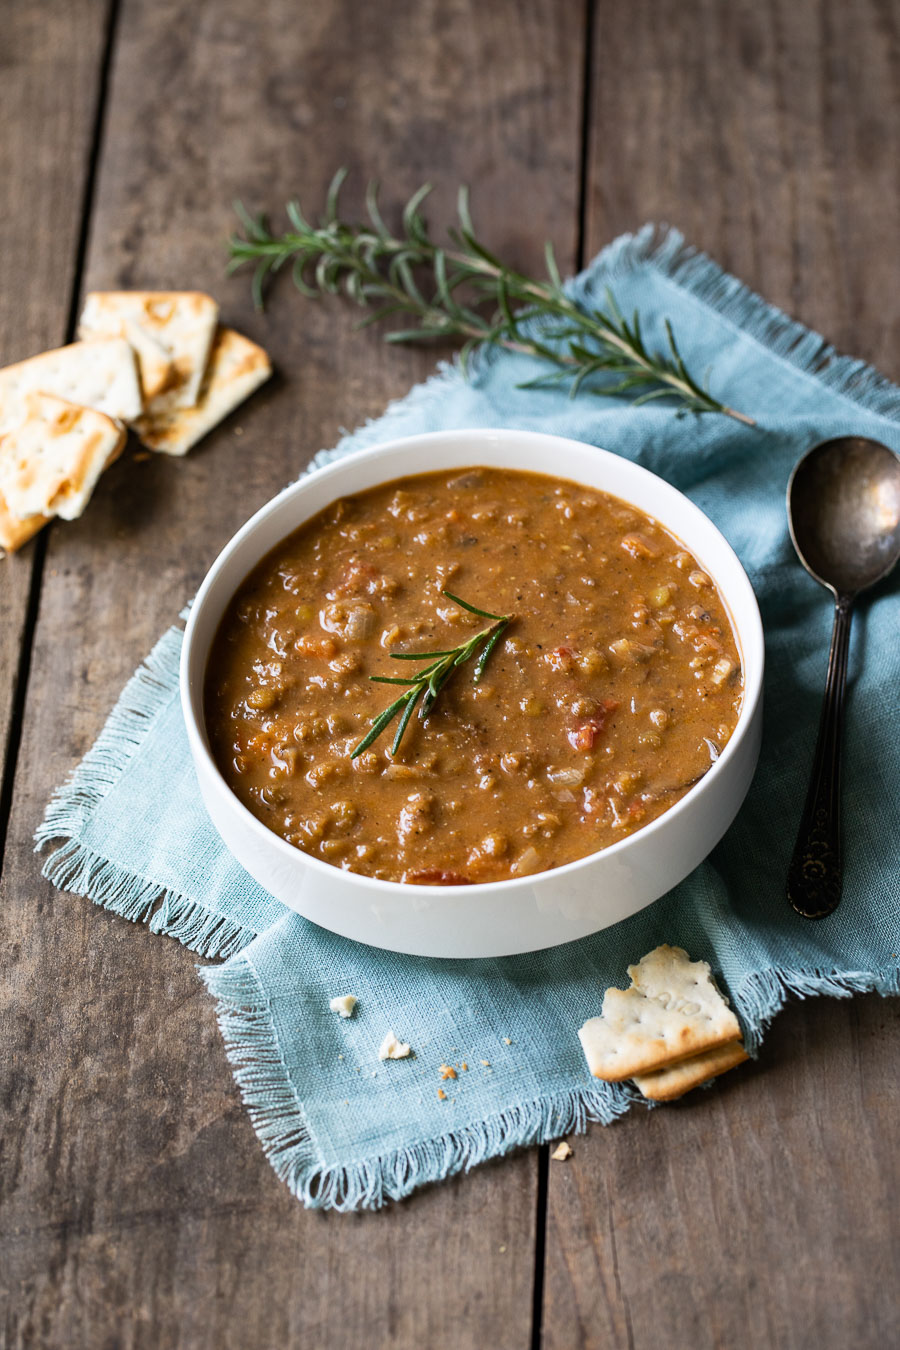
<point>843,505</point>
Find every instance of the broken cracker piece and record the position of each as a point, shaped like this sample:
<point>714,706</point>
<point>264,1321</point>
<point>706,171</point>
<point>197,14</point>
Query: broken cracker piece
<point>172,333</point>
<point>344,1004</point>
<point>672,1011</point>
<point>664,1085</point>
<point>101,374</point>
<point>391,1048</point>
<point>561,1152</point>
<point>50,462</point>
<point>15,532</point>
<point>237,367</point>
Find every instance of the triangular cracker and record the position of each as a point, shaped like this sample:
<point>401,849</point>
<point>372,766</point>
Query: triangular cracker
<point>672,1011</point>
<point>155,366</point>
<point>50,462</point>
<point>664,1085</point>
<point>171,331</point>
<point>237,366</point>
<point>101,374</point>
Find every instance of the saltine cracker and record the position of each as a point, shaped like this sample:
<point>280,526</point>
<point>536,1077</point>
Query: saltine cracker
<point>237,366</point>
<point>99,374</point>
<point>672,1011</point>
<point>172,333</point>
<point>664,1085</point>
<point>15,532</point>
<point>50,462</point>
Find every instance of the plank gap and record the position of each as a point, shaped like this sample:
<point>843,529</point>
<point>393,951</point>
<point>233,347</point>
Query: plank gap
<point>90,177</point>
<point>540,1246</point>
<point>23,667</point>
<point>587,73</point>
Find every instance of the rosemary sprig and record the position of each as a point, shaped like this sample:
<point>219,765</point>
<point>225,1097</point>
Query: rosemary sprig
<point>428,683</point>
<point>465,292</point>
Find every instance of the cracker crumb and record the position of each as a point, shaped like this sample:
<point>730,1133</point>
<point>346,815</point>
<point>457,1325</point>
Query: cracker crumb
<point>561,1152</point>
<point>507,1041</point>
<point>486,1063</point>
<point>442,1096</point>
<point>502,1250</point>
<point>464,1066</point>
<point>340,1056</point>
<point>391,1048</point>
<point>447,1071</point>
<point>344,1004</point>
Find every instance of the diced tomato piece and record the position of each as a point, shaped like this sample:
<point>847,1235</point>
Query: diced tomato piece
<point>324,648</point>
<point>583,736</point>
<point>436,876</point>
<point>357,578</point>
<point>560,658</point>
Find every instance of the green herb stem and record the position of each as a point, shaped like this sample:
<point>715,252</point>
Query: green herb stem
<point>426,685</point>
<point>464,292</point>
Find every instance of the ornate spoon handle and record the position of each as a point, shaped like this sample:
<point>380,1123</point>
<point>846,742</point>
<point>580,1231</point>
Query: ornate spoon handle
<point>815,875</point>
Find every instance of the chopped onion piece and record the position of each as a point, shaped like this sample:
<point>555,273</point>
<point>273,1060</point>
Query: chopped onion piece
<point>565,777</point>
<point>404,771</point>
<point>527,861</point>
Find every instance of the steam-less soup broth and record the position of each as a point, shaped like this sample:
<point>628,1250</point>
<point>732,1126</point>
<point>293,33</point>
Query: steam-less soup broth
<point>613,689</point>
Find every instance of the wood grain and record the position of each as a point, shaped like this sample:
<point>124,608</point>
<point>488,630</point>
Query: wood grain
<point>768,134</point>
<point>138,1208</point>
<point>755,1214</point>
<point>50,66</point>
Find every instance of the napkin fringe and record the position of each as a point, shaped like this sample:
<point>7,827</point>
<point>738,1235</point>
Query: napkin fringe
<point>267,1090</point>
<point>665,248</point>
<point>764,993</point>
<point>75,867</point>
<point>251,1044</point>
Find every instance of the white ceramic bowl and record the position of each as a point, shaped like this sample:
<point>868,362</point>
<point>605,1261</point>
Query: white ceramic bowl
<point>502,917</point>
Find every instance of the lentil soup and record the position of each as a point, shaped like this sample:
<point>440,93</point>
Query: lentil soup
<point>613,689</point>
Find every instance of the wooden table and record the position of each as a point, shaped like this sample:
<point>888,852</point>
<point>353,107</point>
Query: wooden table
<point>137,1207</point>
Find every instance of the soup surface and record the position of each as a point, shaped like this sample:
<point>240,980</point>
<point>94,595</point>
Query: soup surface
<point>612,690</point>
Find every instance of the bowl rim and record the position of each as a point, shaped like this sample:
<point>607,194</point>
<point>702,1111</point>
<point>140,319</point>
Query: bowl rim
<point>748,632</point>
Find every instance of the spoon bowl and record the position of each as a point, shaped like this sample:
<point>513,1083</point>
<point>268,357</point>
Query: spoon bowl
<point>844,512</point>
<point>843,505</point>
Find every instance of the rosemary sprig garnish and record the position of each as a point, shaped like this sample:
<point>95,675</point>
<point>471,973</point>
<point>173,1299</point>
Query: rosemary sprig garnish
<point>428,683</point>
<point>465,292</point>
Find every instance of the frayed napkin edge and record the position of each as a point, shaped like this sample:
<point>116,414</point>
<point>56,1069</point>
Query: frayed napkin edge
<point>76,868</point>
<point>276,1110</point>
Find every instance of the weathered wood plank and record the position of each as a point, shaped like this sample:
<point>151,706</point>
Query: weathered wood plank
<point>51,58</point>
<point>139,1208</point>
<point>755,1214</point>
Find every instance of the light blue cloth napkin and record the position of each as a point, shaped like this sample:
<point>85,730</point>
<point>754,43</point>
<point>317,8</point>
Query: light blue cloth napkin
<point>343,1129</point>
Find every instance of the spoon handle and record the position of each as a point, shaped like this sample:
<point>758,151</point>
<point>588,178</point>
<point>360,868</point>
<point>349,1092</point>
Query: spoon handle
<point>815,877</point>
